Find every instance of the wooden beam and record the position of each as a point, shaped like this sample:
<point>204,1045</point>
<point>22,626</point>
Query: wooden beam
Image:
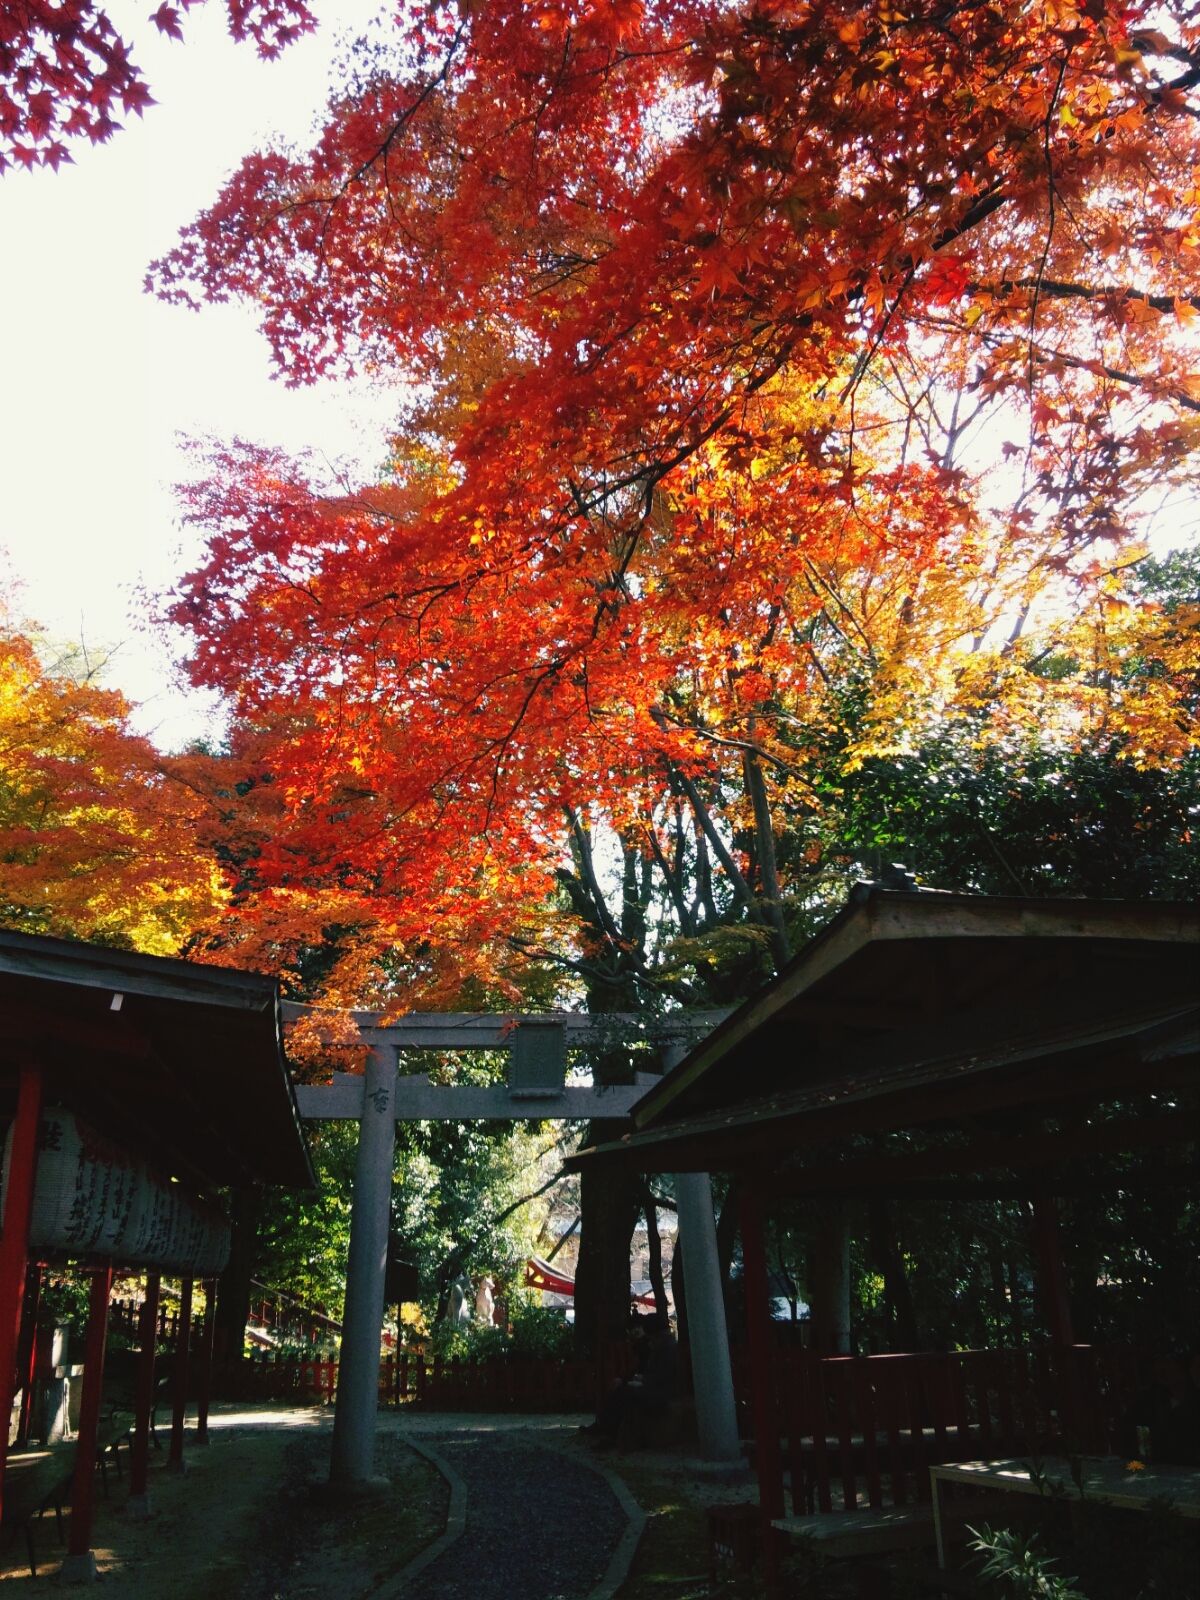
<point>139,1504</point>
<point>948,1191</point>
<point>760,1341</point>
<point>773,1129</point>
<point>1038,1150</point>
<point>80,1565</point>
<point>92,966</point>
<point>179,1398</point>
<point>874,916</point>
<point>204,1378</point>
<point>1051,1275</point>
<point>14,1241</point>
<point>27,1354</point>
<point>29,1029</point>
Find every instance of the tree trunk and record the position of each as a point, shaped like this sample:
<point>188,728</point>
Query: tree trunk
<point>233,1296</point>
<point>764,840</point>
<point>654,1253</point>
<point>679,1291</point>
<point>829,1277</point>
<point>902,1332</point>
<point>609,1202</point>
<point>1014,1301</point>
<point>999,1293</point>
<point>727,1230</point>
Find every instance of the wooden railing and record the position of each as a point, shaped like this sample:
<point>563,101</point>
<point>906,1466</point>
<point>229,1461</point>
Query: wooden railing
<point>506,1383</point>
<point>265,1375</point>
<point>285,1316</point>
<point>280,1315</point>
<point>863,1430</point>
<point>125,1315</point>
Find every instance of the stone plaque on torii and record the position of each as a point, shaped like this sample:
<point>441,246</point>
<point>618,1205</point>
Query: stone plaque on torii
<point>536,1090</point>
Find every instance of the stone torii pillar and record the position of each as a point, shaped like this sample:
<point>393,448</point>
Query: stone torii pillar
<point>352,1463</point>
<point>536,1091</point>
<point>716,1414</point>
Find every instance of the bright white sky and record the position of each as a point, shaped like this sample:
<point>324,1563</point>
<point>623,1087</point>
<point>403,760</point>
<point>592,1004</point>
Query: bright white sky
<point>100,381</point>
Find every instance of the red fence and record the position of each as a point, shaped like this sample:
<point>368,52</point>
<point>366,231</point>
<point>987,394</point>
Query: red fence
<point>284,1316</point>
<point>506,1383</point>
<point>124,1314</point>
<point>864,1429</point>
<point>856,1430</point>
<point>263,1375</point>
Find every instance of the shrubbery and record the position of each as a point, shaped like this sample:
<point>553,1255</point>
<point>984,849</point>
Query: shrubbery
<point>533,1331</point>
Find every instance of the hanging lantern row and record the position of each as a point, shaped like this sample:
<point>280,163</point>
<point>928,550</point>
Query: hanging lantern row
<point>93,1199</point>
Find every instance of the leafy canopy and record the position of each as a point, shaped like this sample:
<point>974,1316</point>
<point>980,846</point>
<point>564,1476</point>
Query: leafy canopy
<point>97,839</point>
<point>66,74</point>
<point>752,349</point>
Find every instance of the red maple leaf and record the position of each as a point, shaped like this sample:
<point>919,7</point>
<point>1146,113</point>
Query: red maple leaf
<point>167,20</point>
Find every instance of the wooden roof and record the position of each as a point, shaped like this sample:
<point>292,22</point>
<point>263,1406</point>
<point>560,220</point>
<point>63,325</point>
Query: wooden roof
<point>911,1009</point>
<point>182,1064</point>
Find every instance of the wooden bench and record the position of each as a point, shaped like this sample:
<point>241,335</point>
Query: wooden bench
<point>36,1480</point>
<point>33,1481</point>
<point>878,1530</point>
<point>860,1533</point>
<point>115,1429</point>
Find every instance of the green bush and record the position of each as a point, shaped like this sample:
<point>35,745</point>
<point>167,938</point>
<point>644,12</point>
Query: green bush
<point>538,1330</point>
<point>534,1331</point>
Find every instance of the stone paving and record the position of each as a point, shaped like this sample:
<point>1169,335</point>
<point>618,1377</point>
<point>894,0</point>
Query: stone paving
<point>538,1523</point>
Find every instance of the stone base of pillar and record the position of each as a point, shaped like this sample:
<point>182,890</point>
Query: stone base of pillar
<point>79,1569</point>
<point>137,1508</point>
<point>356,1488</point>
<point>739,1471</point>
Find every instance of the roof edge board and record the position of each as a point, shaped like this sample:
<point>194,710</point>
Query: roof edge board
<point>873,914</point>
<point>97,967</point>
<point>841,938</point>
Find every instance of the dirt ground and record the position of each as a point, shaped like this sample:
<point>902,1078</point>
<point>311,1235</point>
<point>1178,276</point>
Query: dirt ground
<point>249,1520</point>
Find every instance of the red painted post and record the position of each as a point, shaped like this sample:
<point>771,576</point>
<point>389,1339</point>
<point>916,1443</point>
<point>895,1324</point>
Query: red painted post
<point>204,1381</point>
<point>80,1562</point>
<point>759,1338</point>
<point>1056,1304</point>
<point>14,1240</point>
<point>183,1329</point>
<point>27,1360</point>
<point>143,1404</point>
<point>1052,1280</point>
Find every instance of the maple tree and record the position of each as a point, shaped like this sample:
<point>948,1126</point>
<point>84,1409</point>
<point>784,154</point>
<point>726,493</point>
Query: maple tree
<point>66,73</point>
<point>701,301</point>
<point>97,841</point>
<point>781,374</point>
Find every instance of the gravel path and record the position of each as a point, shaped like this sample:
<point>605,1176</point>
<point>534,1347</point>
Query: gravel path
<point>539,1526</point>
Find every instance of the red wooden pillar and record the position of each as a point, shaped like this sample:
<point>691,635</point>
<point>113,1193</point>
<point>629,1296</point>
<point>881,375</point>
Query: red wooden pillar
<point>28,1353</point>
<point>1074,1425</point>
<point>80,1562</point>
<point>14,1241</point>
<point>183,1339</point>
<point>139,1504</point>
<point>204,1378</point>
<point>1052,1280</point>
<point>760,1347</point>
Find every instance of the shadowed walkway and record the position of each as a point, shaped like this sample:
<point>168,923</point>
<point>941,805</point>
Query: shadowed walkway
<point>538,1523</point>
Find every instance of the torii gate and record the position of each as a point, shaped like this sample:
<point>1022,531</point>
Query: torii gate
<point>536,1091</point>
